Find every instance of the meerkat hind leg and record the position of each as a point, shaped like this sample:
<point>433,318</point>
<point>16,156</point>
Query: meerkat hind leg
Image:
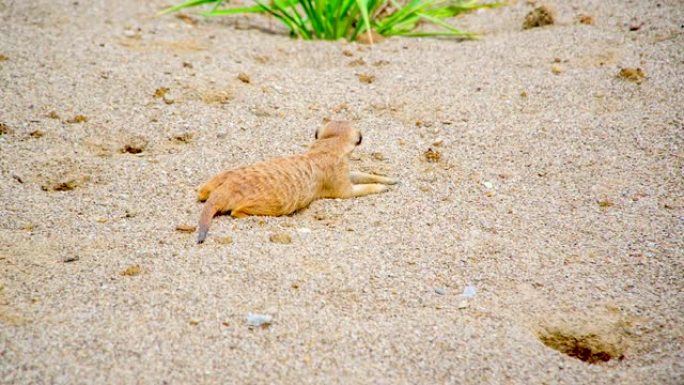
<point>238,214</point>
<point>206,189</point>
<point>364,178</point>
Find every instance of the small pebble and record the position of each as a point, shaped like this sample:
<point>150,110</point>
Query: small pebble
<point>244,78</point>
<point>469,291</point>
<point>259,319</point>
<point>440,290</point>
<point>488,184</point>
<point>463,304</point>
<point>71,258</point>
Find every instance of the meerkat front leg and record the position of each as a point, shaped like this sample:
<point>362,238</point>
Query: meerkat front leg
<point>359,190</point>
<point>364,178</point>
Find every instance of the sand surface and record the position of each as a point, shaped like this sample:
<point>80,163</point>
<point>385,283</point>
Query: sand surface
<point>558,196</point>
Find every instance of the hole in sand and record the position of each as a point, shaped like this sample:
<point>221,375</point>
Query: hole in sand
<point>589,348</point>
<point>595,336</point>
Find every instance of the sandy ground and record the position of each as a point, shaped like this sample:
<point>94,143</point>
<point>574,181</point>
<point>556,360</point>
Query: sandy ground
<point>558,195</point>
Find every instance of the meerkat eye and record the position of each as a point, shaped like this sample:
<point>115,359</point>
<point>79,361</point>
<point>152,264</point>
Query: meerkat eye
<point>358,142</point>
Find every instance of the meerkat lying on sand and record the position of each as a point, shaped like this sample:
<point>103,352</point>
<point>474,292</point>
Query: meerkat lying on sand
<point>282,186</point>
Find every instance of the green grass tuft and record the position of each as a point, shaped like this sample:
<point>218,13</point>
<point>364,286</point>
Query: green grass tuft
<point>347,19</point>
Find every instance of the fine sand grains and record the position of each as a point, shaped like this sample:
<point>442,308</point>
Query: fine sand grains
<point>536,237</point>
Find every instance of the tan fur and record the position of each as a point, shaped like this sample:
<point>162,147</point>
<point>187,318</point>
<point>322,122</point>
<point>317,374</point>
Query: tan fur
<point>283,185</point>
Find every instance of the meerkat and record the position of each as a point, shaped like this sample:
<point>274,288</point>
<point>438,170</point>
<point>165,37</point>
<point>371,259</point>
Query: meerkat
<point>284,185</point>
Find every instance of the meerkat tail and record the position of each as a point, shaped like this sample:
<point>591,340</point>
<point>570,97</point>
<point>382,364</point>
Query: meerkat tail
<point>210,209</point>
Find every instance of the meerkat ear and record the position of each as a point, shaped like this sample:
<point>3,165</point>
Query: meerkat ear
<point>358,142</point>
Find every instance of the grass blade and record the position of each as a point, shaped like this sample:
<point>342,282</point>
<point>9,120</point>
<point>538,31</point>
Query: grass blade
<point>187,4</point>
<point>334,19</point>
<point>363,8</point>
<point>234,11</point>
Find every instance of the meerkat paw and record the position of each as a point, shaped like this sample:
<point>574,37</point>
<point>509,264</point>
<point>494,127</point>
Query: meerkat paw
<point>392,181</point>
<point>359,190</point>
<point>365,178</point>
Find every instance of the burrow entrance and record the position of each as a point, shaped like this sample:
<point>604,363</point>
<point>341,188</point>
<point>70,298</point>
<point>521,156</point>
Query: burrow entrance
<point>595,338</point>
<point>588,348</point>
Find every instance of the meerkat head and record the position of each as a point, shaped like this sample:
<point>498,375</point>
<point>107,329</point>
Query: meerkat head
<point>341,130</point>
